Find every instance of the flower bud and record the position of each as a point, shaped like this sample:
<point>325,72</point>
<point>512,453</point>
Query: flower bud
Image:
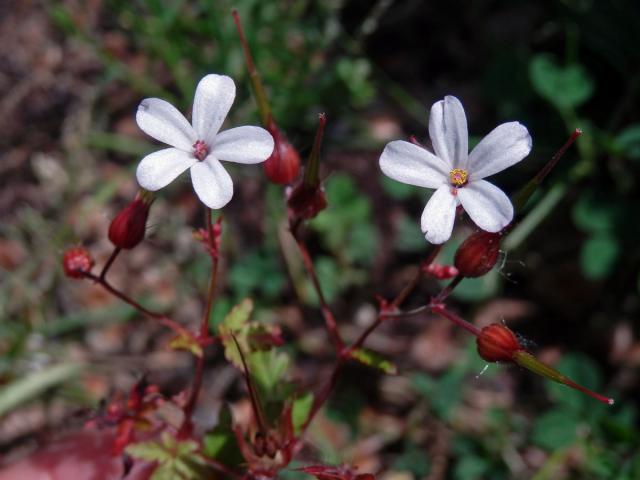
<point>306,201</point>
<point>128,227</point>
<point>478,254</point>
<point>76,262</point>
<point>496,343</point>
<point>283,166</point>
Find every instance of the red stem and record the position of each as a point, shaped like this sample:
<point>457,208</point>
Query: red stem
<point>107,265</point>
<point>187,425</point>
<point>162,318</point>
<point>440,309</point>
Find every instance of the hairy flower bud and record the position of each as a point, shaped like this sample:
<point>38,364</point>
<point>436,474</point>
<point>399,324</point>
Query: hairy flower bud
<point>128,227</point>
<point>76,262</point>
<point>478,254</point>
<point>496,343</point>
<point>283,166</point>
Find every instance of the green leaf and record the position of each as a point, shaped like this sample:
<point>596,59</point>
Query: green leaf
<point>268,368</point>
<point>599,255</point>
<point>372,359</point>
<point>628,141</point>
<point>34,384</point>
<point>598,214</point>
<point>555,429</point>
<point>239,315</point>
<point>176,459</point>
<point>470,466</point>
<point>400,191</point>
<point>257,272</point>
<point>408,236</point>
<point>565,87</point>
<point>300,410</point>
<point>220,443</point>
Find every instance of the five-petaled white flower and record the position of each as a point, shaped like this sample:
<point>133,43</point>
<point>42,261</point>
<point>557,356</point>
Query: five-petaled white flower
<point>456,174</point>
<point>199,147</point>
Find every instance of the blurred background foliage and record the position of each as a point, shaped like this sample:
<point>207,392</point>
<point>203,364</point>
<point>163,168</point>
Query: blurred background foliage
<point>71,76</point>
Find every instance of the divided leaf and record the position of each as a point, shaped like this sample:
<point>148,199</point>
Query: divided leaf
<point>176,459</point>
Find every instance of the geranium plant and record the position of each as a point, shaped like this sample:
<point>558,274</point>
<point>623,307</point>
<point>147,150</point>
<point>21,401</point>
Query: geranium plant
<point>273,436</point>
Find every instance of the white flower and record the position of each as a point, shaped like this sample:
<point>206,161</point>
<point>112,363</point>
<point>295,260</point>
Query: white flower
<point>456,174</point>
<point>199,146</point>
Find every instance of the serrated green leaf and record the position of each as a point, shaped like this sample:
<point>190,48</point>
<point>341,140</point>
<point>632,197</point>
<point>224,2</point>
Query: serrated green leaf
<point>152,451</point>
<point>565,87</point>
<point>176,459</point>
<point>300,411</point>
<point>372,359</point>
<point>239,315</point>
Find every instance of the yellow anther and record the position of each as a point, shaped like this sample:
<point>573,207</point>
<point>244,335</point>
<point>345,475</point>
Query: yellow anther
<point>458,177</point>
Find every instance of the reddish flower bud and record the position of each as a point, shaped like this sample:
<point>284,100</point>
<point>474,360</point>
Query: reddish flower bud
<point>478,254</point>
<point>128,227</point>
<point>496,343</point>
<point>283,166</point>
<point>76,262</point>
<point>306,201</point>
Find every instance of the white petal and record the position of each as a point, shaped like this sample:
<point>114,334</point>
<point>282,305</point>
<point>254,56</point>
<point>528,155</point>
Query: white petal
<point>505,145</point>
<point>409,163</point>
<point>162,121</point>
<point>212,183</point>
<point>243,145</point>
<point>159,169</point>
<point>213,99</point>
<point>448,131</point>
<point>487,205</point>
<point>438,215</point>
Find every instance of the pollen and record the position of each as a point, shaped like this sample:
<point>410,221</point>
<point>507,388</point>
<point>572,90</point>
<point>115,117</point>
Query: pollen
<point>458,177</point>
<point>201,150</point>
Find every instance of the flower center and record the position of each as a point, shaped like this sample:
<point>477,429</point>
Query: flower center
<point>458,177</point>
<point>200,150</point>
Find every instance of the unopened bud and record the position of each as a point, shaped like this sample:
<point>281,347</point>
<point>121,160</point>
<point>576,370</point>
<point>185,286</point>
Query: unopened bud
<point>307,201</point>
<point>496,343</point>
<point>478,254</point>
<point>127,229</point>
<point>283,166</point>
<point>76,262</point>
